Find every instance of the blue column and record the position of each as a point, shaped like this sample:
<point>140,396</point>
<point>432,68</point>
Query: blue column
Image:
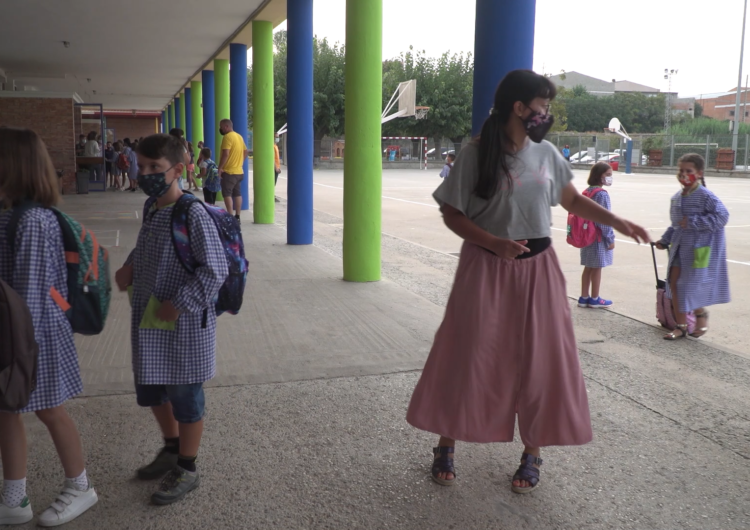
<point>209,114</point>
<point>188,115</point>
<point>504,41</point>
<point>238,106</point>
<point>177,114</point>
<point>628,157</point>
<point>164,124</point>
<point>300,118</point>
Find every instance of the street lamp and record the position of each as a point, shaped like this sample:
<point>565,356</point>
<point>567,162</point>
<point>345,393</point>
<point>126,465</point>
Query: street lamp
<point>668,112</point>
<point>736,124</point>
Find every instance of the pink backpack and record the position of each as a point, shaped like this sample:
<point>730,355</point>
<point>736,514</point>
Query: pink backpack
<point>664,310</point>
<point>582,232</point>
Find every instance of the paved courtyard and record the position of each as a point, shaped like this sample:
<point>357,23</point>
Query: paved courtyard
<point>305,424</point>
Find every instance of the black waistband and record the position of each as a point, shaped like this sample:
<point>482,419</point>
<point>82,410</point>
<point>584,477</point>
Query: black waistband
<point>536,246</point>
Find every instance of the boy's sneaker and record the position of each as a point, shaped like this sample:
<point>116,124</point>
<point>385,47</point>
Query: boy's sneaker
<point>69,504</point>
<point>18,515</point>
<point>599,303</point>
<point>162,464</point>
<point>583,301</point>
<point>178,483</point>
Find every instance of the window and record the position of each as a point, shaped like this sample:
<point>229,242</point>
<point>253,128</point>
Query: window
<point>731,113</point>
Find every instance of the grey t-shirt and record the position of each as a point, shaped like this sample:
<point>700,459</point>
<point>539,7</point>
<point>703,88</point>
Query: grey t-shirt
<point>539,175</point>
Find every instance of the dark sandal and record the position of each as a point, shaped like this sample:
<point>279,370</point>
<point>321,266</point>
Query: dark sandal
<point>529,473</point>
<point>700,331</point>
<point>443,464</point>
<point>679,333</point>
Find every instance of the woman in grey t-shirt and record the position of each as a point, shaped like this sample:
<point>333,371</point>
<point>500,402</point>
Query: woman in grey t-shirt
<point>506,346</point>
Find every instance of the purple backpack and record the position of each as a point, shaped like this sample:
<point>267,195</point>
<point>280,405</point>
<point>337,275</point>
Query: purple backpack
<point>233,288</point>
<point>664,310</point>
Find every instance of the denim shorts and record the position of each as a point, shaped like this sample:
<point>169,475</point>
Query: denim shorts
<point>188,401</point>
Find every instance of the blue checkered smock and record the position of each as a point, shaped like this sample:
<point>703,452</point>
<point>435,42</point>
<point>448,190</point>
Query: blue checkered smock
<point>38,264</point>
<point>597,254</point>
<point>188,353</point>
<point>707,216</point>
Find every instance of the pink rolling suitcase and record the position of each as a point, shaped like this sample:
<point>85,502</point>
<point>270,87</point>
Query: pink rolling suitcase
<point>664,311</point>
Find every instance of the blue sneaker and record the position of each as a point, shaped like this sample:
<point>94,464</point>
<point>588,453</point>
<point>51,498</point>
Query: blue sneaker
<point>599,303</point>
<point>583,301</point>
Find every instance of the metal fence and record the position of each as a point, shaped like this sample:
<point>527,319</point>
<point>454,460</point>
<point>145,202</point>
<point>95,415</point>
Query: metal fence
<point>672,146</point>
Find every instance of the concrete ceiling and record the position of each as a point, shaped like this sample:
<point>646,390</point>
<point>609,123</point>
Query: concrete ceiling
<point>132,55</point>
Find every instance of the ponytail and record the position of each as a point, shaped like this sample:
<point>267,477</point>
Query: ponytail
<point>493,153</point>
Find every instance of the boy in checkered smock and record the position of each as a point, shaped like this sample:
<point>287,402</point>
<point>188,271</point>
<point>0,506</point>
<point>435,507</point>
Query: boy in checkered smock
<point>33,268</point>
<point>173,329</point>
<point>698,275</point>
<point>598,254</point>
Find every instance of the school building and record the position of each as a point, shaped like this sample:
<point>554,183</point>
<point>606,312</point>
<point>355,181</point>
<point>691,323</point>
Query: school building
<point>67,68</point>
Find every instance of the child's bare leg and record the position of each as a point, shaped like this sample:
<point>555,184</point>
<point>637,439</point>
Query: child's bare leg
<point>680,317</point>
<point>165,418</point>
<point>586,282</point>
<point>13,446</point>
<point>190,438</point>
<point>67,441</point>
<point>596,282</point>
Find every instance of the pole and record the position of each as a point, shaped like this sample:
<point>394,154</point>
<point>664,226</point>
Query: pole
<point>744,106</point>
<point>503,41</point>
<point>238,106</point>
<point>708,146</point>
<point>580,146</point>
<point>736,128</point>
<point>747,145</point>
<point>363,165</point>
<point>263,123</point>
<point>629,157</point>
<point>299,138</point>
<point>196,101</point>
<point>671,151</point>
<point>209,113</point>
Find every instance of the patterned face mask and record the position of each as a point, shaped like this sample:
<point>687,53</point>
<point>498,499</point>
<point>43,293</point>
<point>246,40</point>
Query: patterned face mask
<point>687,179</point>
<point>538,125</point>
<point>155,185</point>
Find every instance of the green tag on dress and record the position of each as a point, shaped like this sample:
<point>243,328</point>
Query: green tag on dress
<point>701,257</point>
<point>150,321</point>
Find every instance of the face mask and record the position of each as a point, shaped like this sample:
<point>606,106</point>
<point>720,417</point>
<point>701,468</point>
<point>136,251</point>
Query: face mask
<point>155,185</point>
<point>608,181</point>
<point>687,180</point>
<point>538,125</point>
<point>276,140</point>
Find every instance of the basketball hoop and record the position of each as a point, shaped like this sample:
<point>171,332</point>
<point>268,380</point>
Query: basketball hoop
<point>421,112</point>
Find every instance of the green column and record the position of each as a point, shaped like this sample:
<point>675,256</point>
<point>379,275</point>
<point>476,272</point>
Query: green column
<point>363,164</point>
<point>172,116</point>
<point>196,104</point>
<point>263,123</point>
<point>221,99</point>
<point>183,117</point>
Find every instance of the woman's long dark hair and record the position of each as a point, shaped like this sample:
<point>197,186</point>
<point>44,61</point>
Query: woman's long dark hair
<point>494,145</point>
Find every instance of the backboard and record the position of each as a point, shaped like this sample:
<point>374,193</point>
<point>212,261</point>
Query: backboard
<point>406,97</point>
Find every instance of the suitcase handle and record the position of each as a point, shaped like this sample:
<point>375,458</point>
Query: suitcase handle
<point>656,269</point>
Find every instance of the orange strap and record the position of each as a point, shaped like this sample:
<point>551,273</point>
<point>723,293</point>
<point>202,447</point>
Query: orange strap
<point>59,300</point>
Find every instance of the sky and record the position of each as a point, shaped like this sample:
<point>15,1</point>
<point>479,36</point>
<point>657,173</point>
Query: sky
<point>634,40</point>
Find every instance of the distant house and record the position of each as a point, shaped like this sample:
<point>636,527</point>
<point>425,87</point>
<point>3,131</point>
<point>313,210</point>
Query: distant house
<point>721,105</point>
<point>600,87</point>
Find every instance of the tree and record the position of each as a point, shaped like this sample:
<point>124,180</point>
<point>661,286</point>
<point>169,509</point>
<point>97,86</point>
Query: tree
<point>698,110</point>
<point>328,91</point>
<point>444,84</point>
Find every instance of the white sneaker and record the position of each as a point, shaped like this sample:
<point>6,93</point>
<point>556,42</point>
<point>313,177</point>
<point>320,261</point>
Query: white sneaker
<point>18,515</point>
<point>69,504</point>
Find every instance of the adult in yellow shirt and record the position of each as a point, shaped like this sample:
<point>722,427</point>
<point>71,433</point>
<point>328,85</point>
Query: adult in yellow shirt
<point>231,173</point>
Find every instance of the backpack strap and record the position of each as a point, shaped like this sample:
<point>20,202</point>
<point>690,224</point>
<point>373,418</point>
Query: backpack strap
<point>181,231</point>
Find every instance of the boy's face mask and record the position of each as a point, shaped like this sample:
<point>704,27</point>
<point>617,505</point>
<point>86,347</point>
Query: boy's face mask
<point>155,184</point>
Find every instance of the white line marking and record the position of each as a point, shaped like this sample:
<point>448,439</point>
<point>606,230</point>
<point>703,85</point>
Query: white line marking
<point>738,262</point>
<point>136,214</point>
<point>117,240</point>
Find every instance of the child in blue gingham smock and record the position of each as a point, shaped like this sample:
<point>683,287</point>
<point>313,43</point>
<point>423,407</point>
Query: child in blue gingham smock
<point>33,267</point>
<point>598,254</point>
<point>698,275</point>
<point>173,329</point>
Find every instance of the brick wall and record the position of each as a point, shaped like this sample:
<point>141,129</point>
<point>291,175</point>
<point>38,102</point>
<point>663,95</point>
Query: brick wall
<point>53,120</point>
<point>131,127</point>
<point>725,104</point>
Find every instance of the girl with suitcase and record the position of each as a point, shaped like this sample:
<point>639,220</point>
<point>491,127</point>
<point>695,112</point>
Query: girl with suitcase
<point>697,275</point>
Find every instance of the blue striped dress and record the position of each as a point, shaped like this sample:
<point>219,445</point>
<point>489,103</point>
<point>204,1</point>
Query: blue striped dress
<point>38,264</point>
<point>597,255</point>
<point>702,282</point>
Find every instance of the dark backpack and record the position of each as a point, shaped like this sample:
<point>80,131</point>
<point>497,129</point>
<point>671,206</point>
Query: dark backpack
<point>233,288</point>
<point>19,351</point>
<point>122,162</point>
<point>87,264</point>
